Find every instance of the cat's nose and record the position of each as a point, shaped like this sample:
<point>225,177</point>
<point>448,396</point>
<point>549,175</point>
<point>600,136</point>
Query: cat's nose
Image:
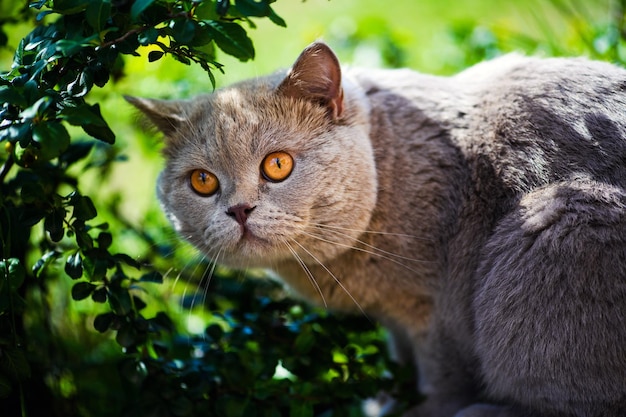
<point>240,212</point>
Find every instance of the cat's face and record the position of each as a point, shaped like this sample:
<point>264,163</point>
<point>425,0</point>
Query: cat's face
<point>258,172</point>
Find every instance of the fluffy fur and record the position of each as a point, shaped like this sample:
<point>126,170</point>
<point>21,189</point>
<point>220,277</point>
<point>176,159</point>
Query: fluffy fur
<point>480,217</point>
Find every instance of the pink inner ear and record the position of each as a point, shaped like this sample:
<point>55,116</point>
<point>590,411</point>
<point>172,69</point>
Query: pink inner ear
<point>316,76</point>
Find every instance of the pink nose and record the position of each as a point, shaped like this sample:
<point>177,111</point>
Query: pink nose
<point>240,212</point>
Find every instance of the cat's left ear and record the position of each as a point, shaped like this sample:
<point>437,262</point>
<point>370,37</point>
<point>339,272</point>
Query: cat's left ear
<point>316,76</point>
<point>165,115</point>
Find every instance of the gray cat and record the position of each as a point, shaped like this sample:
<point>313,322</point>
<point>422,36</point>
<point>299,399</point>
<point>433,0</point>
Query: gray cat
<point>481,217</point>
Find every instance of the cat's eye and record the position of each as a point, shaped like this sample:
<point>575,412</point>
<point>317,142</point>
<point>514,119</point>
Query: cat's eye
<point>203,182</point>
<point>277,166</point>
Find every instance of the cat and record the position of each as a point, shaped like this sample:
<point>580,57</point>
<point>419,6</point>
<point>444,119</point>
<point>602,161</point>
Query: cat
<point>480,217</point>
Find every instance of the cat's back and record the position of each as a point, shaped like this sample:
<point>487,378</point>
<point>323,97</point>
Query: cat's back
<point>540,121</point>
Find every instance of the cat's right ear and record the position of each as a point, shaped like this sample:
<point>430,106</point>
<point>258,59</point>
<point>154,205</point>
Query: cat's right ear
<point>316,76</point>
<point>165,115</point>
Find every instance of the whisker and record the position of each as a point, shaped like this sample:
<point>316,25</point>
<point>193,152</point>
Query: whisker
<point>334,277</point>
<point>365,251</point>
<point>374,232</point>
<point>307,271</point>
<point>211,270</point>
<point>395,255</point>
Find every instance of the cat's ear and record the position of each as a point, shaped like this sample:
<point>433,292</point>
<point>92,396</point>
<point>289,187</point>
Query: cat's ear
<point>165,115</point>
<point>316,76</point>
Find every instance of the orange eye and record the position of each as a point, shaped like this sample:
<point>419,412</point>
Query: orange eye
<point>277,166</point>
<point>203,182</point>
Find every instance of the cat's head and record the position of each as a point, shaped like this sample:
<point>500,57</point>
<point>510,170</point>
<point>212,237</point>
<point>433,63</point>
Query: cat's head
<point>269,166</point>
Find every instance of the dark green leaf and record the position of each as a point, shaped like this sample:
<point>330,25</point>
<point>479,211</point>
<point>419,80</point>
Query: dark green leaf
<point>82,290</point>
<point>54,224</point>
<point>81,85</point>
<point>222,6</point>
<point>183,30</point>
<point>74,266</point>
<point>44,261</point>
<point>95,266</point>
<point>155,55</point>
<point>253,7</point>
<point>70,6</point>
<point>69,47</point>
<point>52,138</point>
<point>9,94</point>
<point>232,39</point>
<point>99,129</point>
<point>148,37</point>
<point>84,208</point>
<point>121,302</point>
<point>83,114</point>
<point>103,322</point>
<point>104,240</point>
<point>85,242</point>
<point>97,13</point>
<point>76,152</point>
<point>138,7</point>
<point>126,336</point>
<point>122,257</point>
<point>100,295</point>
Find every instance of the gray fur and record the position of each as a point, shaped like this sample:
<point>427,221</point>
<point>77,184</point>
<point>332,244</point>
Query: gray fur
<point>480,217</point>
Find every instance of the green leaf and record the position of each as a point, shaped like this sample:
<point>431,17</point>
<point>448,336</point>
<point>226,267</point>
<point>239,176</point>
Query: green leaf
<point>183,30</point>
<point>52,138</point>
<point>99,295</point>
<point>155,55</point>
<point>70,6</point>
<point>81,85</point>
<point>74,266</point>
<point>103,322</point>
<point>16,273</point>
<point>44,261</point>
<point>232,39</point>
<point>104,240</point>
<point>99,129</point>
<point>138,7</point>
<point>148,37</point>
<point>84,208</point>
<point>126,336</point>
<point>82,290</point>
<point>54,224</point>
<point>97,14</point>
<point>11,95</point>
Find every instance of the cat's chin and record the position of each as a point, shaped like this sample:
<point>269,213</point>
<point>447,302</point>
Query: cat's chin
<point>253,251</point>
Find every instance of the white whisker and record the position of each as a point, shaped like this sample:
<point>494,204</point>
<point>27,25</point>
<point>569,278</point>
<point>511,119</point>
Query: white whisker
<point>333,276</point>
<point>395,255</point>
<point>365,251</point>
<point>374,232</point>
<point>307,271</point>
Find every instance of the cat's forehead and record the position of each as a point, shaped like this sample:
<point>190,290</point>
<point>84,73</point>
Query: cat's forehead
<point>250,120</point>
